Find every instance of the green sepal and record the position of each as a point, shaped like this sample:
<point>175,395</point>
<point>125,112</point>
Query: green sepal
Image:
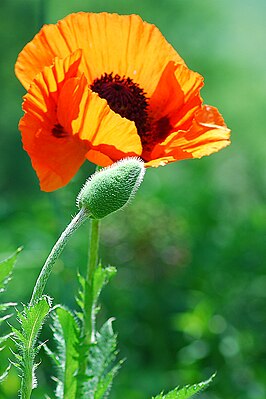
<point>111,188</point>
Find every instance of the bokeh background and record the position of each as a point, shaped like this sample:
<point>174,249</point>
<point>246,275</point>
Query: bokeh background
<point>190,294</point>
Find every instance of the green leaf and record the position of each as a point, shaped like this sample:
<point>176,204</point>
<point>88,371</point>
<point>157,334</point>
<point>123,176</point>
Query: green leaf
<point>101,277</point>
<point>4,338</point>
<point>96,382</point>
<point>4,318</point>
<point>4,375</point>
<point>105,384</point>
<point>186,392</point>
<point>5,306</point>
<point>6,268</point>
<point>100,370</point>
<point>31,320</point>
<point>66,331</point>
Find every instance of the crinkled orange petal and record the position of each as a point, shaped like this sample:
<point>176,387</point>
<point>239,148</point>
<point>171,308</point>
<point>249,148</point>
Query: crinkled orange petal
<point>55,159</point>
<point>96,123</point>
<point>207,134</point>
<point>43,93</point>
<point>168,96</point>
<point>190,83</point>
<point>177,95</point>
<point>124,45</point>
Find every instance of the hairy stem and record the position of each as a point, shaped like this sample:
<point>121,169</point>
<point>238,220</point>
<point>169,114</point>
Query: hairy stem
<point>75,223</point>
<point>27,382</point>
<point>88,310</point>
<point>88,327</point>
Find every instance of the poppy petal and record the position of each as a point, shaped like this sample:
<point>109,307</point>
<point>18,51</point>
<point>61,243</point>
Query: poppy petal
<point>207,134</point>
<point>177,95</point>
<point>45,89</point>
<point>128,63</point>
<point>124,45</point>
<point>96,123</point>
<point>56,159</point>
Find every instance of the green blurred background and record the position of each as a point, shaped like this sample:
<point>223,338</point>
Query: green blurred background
<point>190,294</point>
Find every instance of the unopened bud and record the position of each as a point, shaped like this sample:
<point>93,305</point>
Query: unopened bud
<point>111,188</point>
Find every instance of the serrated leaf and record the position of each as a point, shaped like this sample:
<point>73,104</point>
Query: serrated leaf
<point>99,355</point>
<point>104,385</point>
<point>4,338</point>
<point>6,267</point>
<point>66,332</point>
<point>5,306</point>
<point>101,277</point>
<point>4,318</point>
<point>186,392</point>
<point>80,297</point>
<point>31,320</point>
<point>100,370</point>
<point>4,375</point>
<point>52,355</point>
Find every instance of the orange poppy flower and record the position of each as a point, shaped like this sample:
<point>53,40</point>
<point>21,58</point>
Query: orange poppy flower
<point>102,87</point>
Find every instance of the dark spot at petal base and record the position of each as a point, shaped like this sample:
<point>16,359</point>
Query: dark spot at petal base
<point>157,133</point>
<point>58,131</point>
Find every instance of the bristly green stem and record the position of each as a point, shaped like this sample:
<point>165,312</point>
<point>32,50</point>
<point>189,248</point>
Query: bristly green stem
<point>88,309</point>
<point>75,223</point>
<point>89,316</point>
<point>88,326</point>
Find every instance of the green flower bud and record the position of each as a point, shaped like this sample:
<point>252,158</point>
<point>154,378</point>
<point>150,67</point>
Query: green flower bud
<point>111,188</point>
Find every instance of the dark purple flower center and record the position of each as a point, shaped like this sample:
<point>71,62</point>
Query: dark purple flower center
<point>125,98</point>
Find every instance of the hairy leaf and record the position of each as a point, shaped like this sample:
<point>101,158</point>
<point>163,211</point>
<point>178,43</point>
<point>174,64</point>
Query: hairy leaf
<point>31,320</point>
<point>4,375</point>
<point>101,370</point>
<point>101,277</point>
<point>66,332</point>
<point>6,267</point>
<point>96,381</point>
<point>186,392</point>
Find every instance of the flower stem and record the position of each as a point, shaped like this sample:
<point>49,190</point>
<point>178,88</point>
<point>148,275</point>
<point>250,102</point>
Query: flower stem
<point>88,306</point>
<point>75,223</point>
<point>26,385</point>
<point>88,326</point>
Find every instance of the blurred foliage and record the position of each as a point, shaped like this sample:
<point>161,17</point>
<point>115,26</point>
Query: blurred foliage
<point>190,293</point>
